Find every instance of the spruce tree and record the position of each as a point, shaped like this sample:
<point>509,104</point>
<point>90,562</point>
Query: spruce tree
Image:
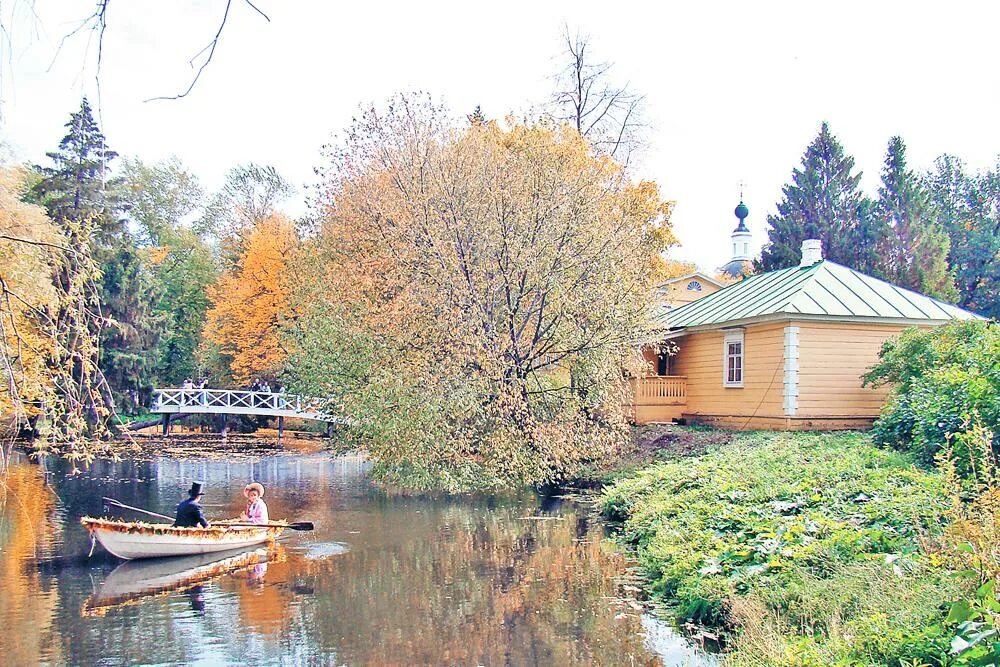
<point>822,202</point>
<point>77,185</point>
<point>82,199</point>
<point>968,208</point>
<point>914,249</point>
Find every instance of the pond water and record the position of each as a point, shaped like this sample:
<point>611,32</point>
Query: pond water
<point>384,579</point>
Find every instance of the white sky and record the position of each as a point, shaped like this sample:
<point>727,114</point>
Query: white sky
<point>735,90</point>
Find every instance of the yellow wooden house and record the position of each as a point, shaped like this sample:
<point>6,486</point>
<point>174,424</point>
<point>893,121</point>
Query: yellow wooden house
<point>781,350</point>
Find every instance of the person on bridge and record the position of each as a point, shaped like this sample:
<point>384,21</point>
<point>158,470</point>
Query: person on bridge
<point>189,512</point>
<point>256,511</point>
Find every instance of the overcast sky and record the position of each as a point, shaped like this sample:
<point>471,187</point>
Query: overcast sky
<point>734,90</point>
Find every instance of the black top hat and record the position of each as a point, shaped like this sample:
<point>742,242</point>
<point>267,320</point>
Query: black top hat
<point>195,489</point>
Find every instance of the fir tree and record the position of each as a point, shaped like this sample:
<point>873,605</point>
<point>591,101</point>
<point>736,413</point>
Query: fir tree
<point>914,249</point>
<point>82,199</point>
<point>822,202</point>
<point>968,208</point>
<point>76,186</point>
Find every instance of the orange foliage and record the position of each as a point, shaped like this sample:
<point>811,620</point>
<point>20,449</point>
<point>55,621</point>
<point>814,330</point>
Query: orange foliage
<point>250,302</point>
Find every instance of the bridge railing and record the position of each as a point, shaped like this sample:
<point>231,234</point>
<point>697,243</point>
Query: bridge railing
<point>220,399</point>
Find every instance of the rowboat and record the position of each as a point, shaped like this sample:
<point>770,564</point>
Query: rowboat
<point>138,539</point>
<point>136,580</point>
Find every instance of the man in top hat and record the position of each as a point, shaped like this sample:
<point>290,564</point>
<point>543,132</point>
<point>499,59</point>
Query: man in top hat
<point>189,512</point>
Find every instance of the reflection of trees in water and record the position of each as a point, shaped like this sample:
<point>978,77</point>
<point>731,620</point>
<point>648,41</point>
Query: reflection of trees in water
<point>27,529</point>
<point>467,587</point>
<point>424,581</point>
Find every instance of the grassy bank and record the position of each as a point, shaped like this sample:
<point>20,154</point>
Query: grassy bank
<point>813,549</point>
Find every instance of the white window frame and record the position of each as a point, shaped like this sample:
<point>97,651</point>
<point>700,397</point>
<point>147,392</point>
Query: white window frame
<point>732,337</point>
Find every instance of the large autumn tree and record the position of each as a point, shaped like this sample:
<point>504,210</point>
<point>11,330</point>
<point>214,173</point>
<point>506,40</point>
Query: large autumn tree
<point>250,302</point>
<point>823,201</point>
<point>474,293</point>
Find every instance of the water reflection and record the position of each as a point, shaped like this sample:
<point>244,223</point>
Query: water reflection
<point>383,580</point>
<point>134,581</point>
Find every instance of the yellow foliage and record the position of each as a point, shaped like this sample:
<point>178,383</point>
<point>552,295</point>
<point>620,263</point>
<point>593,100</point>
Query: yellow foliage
<point>28,242</point>
<point>250,302</point>
<point>157,254</point>
<point>665,269</point>
<point>504,273</point>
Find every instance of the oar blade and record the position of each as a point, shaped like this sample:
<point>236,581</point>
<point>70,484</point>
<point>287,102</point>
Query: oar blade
<point>301,525</point>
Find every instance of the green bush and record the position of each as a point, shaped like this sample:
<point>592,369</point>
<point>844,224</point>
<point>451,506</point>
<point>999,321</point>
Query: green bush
<point>944,381</point>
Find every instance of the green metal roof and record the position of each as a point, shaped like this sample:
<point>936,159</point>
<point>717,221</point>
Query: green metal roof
<point>824,289</point>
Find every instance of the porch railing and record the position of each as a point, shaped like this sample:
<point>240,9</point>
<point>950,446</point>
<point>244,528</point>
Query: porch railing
<point>660,390</point>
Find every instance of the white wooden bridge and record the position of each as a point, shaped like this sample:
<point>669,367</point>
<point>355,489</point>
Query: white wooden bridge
<point>168,402</point>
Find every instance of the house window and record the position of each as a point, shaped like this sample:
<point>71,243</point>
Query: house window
<point>732,359</point>
<point>694,286</point>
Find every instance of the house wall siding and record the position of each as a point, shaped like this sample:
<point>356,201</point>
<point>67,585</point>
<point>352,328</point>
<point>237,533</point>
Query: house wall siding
<point>832,358</point>
<point>701,359</point>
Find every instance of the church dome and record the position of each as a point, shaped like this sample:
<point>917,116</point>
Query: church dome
<point>741,212</point>
<point>737,268</point>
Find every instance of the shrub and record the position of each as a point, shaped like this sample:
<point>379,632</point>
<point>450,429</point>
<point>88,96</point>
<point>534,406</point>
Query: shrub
<point>973,542</point>
<point>944,380</point>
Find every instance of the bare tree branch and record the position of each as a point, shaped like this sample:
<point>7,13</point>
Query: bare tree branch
<point>97,22</point>
<point>210,48</point>
<point>608,115</point>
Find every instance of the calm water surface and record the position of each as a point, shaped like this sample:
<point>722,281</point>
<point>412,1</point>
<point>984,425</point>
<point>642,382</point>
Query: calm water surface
<point>383,580</point>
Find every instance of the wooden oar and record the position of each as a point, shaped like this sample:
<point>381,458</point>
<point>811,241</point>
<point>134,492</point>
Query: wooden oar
<point>115,503</point>
<point>297,525</point>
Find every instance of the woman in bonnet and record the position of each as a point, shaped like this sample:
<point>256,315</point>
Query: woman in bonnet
<point>256,511</point>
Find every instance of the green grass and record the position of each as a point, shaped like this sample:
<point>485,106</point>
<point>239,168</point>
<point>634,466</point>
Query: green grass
<point>808,546</point>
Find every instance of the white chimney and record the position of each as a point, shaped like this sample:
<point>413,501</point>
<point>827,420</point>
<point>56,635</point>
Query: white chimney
<point>812,252</point>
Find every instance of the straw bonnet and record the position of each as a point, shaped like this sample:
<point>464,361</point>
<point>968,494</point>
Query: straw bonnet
<point>254,486</point>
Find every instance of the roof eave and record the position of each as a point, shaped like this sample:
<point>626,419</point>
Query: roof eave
<point>782,317</point>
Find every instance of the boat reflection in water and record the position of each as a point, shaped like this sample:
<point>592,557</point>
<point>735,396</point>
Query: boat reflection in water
<point>135,580</point>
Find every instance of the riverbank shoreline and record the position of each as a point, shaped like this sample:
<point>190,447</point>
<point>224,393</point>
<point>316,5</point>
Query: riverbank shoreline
<point>802,549</point>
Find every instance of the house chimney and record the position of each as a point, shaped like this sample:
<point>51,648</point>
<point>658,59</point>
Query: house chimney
<point>812,252</point>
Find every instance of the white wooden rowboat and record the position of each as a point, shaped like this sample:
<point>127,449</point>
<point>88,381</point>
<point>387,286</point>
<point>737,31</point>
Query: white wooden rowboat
<point>137,539</point>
